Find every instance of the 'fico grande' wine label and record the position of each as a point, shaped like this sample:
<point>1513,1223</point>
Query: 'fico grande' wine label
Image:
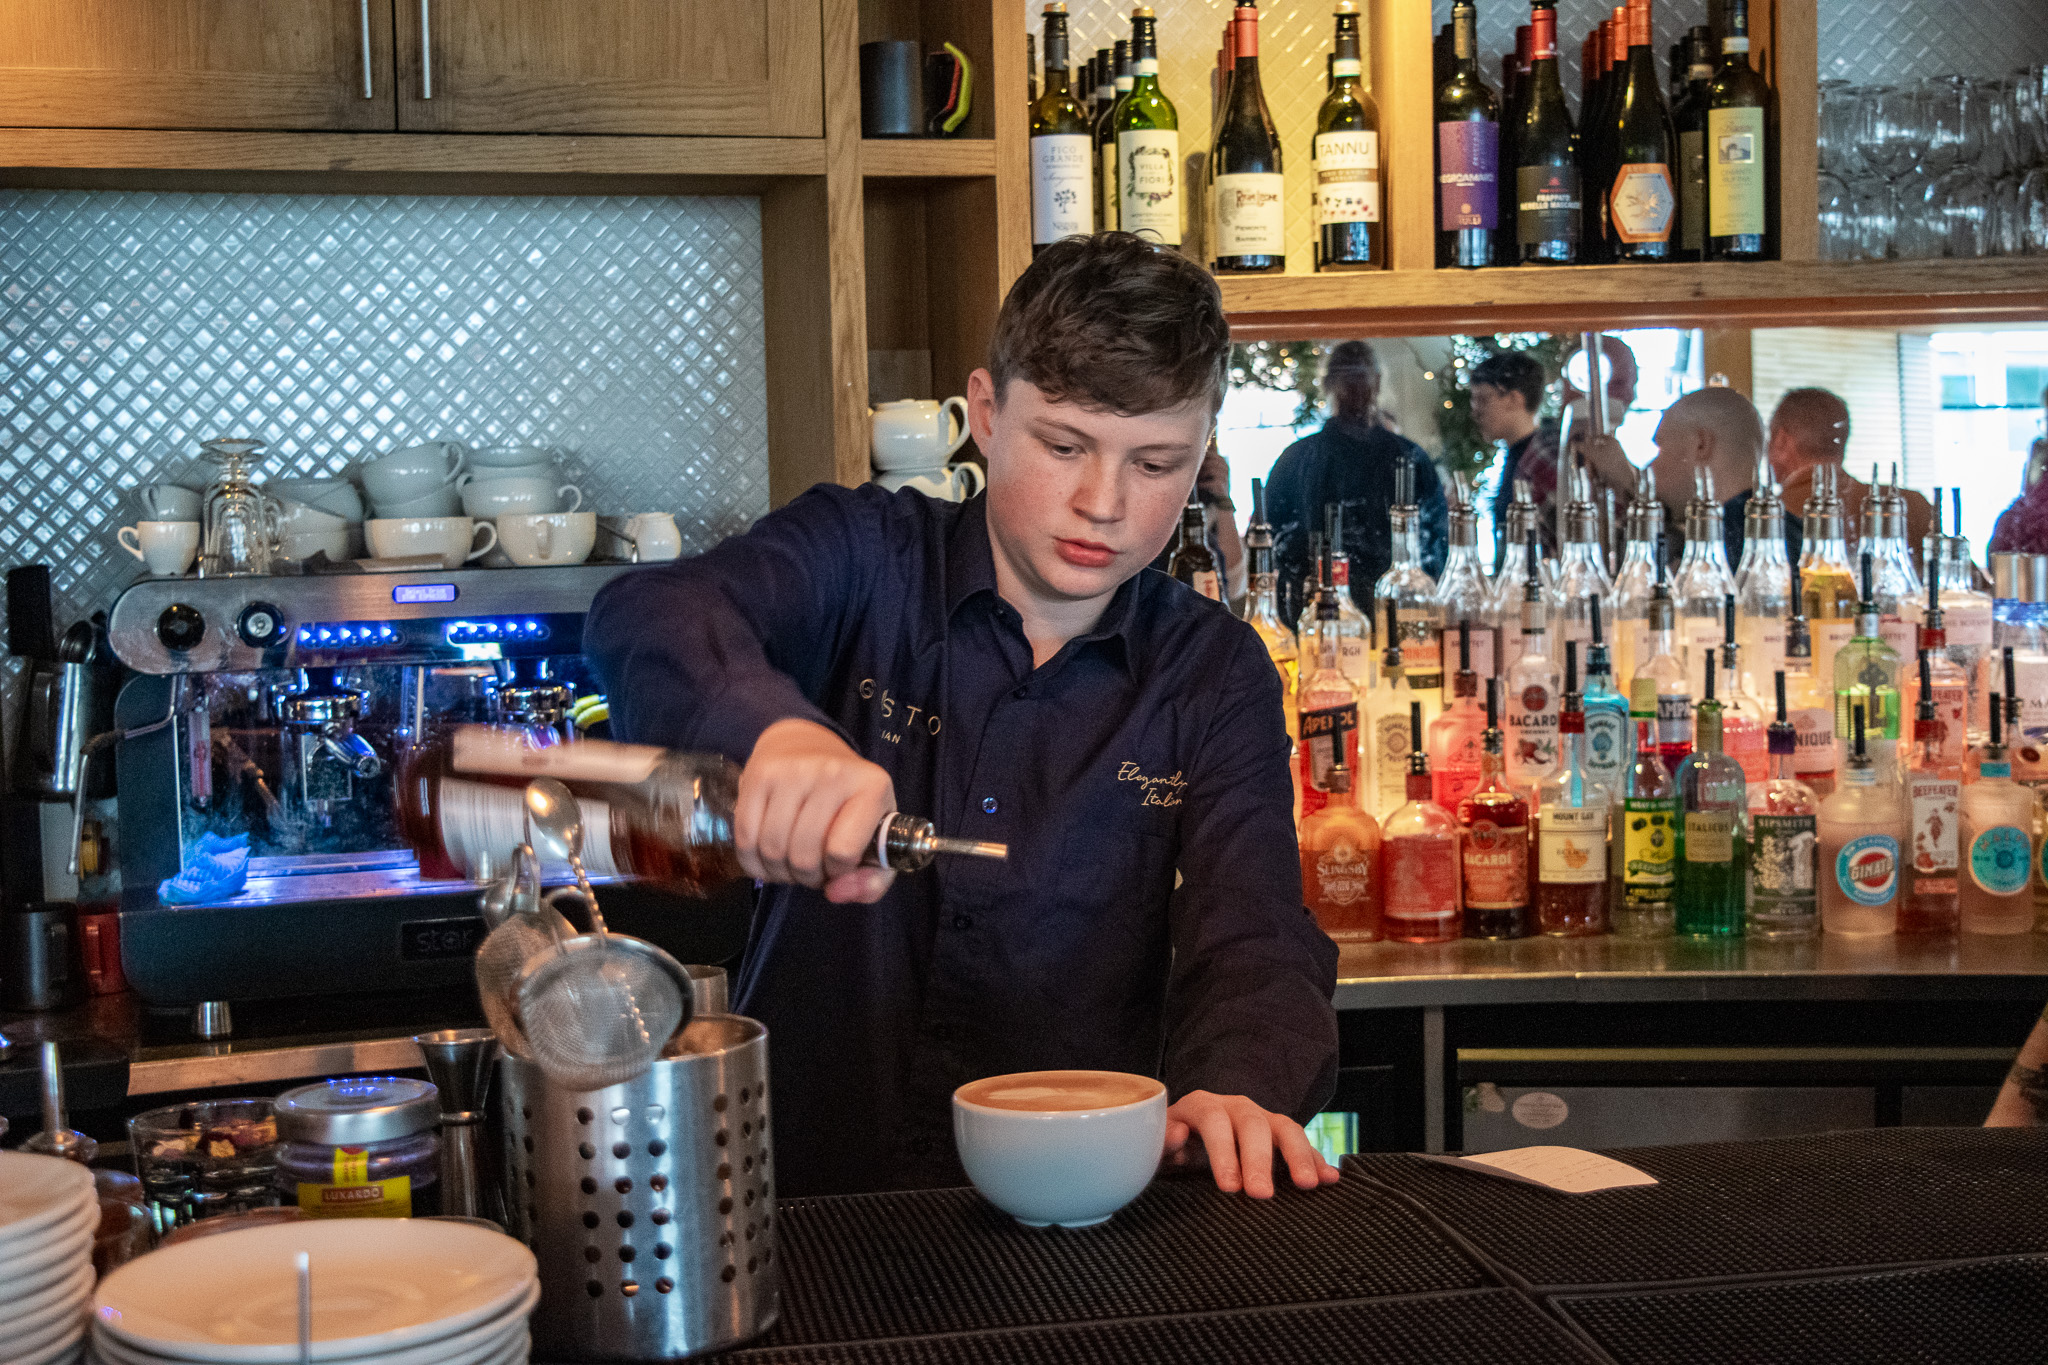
<point>1062,195</point>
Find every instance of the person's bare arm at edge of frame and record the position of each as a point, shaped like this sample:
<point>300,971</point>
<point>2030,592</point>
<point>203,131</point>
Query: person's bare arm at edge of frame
<point>2023,1099</point>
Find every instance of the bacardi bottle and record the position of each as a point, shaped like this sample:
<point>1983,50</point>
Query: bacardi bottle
<point>1493,824</point>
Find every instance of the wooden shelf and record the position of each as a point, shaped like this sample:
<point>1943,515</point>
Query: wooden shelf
<point>927,158</point>
<point>1770,294</point>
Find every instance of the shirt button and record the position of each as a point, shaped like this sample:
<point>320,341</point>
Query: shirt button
<point>988,805</point>
<point>962,922</point>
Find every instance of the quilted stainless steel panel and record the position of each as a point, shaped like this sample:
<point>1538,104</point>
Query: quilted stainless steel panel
<point>1864,42</point>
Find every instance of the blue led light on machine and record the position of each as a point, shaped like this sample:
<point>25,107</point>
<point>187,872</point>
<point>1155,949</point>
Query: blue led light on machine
<point>499,629</point>
<point>348,635</point>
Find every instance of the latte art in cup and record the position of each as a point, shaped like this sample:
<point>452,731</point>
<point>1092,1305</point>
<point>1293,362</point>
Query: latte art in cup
<point>1060,1091</point>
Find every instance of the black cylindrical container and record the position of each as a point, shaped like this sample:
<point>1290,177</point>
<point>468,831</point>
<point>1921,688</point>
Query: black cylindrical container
<point>40,967</point>
<point>891,89</point>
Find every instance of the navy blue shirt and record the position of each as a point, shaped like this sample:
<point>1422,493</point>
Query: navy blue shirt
<point>1155,743</point>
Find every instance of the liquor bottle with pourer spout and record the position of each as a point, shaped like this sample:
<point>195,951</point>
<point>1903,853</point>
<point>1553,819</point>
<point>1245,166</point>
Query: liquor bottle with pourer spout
<point>1493,824</point>
<point>1581,573</point>
<point>1409,589</point>
<point>1996,842</point>
<point>1763,582</point>
<point>1713,833</point>
<point>1610,738</point>
<point>1784,898</point>
<point>1193,562</point>
<point>1261,609</point>
<point>1663,666</point>
<point>1826,578</point>
<point>1702,583</point>
<point>1646,845</point>
<point>1462,591</point>
<point>1813,704</point>
<point>1641,567</point>
<point>1354,628</point>
<point>1327,706</point>
<point>1340,857</point>
<point>1934,793</point>
<point>1950,683</point>
<point>1533,694</point>
<point>1571,828</point>
<point>1859,847</point>
<point>1743,719</point>
<point>1456,735</point>
<point>1867,675</point>
<point>1386,725</point>
<point>1419,858</point>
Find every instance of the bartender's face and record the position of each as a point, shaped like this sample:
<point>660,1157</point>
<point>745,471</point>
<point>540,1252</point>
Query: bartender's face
<point>1079,500</point>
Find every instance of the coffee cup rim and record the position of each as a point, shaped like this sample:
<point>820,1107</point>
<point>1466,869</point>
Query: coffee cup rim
<point>1158,1093</point>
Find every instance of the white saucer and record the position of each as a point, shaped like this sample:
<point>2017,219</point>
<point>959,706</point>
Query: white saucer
<point>32,1311</point>
<point>28,1263</point>
<point>379,1286</point>
<point>37,1192</point>
<point>503,1338</point>
<point>64,1322</point>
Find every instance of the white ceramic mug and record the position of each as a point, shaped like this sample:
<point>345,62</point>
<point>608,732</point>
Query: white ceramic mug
<point>539,469</point>
<point>337,497</point>
<point>951,483</point>
<point>1071,1167</point>
<point>445,501</point>
<point>517,497</point>
<point>915,433</point>
<point>529,539</point>
<point>166,548</point>
<point>306,544</point>
<point>413,472</point>
<point>168,502</point>
<point>455,539</point>
<point>503,458</point>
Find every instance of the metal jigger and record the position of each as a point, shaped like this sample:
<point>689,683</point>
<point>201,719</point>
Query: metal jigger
<point>58,1138</point>
<point>460,1062</point>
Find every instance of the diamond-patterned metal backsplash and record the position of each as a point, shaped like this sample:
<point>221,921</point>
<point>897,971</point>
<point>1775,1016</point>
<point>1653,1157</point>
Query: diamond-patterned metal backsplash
<point>625,331</point>
<point>1863,42</point>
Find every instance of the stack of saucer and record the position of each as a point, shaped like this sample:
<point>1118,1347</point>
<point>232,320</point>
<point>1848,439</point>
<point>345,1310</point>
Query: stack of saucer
<point>48,1214</point>
<point>398,1291</point>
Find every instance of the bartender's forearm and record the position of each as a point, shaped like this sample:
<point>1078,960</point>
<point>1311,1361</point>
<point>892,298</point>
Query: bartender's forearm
<point>2023,1099</point>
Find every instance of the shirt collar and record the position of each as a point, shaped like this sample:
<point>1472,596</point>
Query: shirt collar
<point>971,571</point>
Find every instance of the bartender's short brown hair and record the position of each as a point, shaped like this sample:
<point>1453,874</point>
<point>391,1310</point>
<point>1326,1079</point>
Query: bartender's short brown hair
<point>1116,323</point>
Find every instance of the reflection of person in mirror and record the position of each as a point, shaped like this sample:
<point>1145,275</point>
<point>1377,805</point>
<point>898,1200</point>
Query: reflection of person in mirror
<point>1007,665</point>
<point>2023,526</point>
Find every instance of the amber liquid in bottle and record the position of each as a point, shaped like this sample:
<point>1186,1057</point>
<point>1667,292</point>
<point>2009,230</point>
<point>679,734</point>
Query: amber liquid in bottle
<point>1493,824</point>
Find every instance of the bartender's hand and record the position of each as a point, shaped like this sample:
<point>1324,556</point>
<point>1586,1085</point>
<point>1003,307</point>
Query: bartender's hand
<point>1239,1138</point>
<point>808,809</point>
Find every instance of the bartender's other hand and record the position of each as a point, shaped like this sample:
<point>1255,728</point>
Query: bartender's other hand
<point>1240,1139</point>
<point>809,807</point>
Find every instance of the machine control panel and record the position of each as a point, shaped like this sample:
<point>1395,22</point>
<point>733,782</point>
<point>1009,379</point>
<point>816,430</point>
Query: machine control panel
<point>180,628</point>
<point>260,625</point>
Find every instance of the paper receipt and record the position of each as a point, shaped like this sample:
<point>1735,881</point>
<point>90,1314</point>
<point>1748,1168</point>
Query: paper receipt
<point>1564,1169</point>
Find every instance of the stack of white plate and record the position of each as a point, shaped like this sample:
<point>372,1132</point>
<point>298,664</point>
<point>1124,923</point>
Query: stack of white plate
<point>48,1214</point>
<point>399,1291</point>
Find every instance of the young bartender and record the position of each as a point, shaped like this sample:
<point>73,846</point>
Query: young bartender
<point>1008,668</point>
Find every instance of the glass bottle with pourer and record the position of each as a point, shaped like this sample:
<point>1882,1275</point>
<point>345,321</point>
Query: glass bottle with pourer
<point>1533,694</point>
<point>1703,582</point>
<point>1493,840</point>
<point>1456,735</point>
<point>1386,724</point>
<point>1504,604</point>
<point>1784,895</point>
<point>1192,561</point>
<point>1827,580</point>
<point>1812,702</point>
<point>1328,710</point>
<point>1463,592</point>
<point>1763,582</point>
<point>1934,794</point>
<point>1419,897</point>
<point>1663,667</point>
<point>1610,738</point>
<point>1743,716</point>
<point>1408,588</point>
<point>1262,611</point>
<point>1646,844</point>
<point>1571,828</point>
<point>1641,567</point>
<point>1713,834</point>
<point>1354,630</point>
<point>1867,676</point>
<point>1581,572</point>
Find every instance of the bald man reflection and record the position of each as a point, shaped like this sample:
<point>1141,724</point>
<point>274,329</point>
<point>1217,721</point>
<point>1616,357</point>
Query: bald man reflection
<point>1718,431</point>
<point>1810,428</point>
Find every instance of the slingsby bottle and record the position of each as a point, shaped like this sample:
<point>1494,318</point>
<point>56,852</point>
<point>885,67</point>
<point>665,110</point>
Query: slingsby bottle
<point>1859,847</point>
<point>1261,612</point>
<point>1713,834</point>
<point>1345,173</point>
<point>1783,856</point>
<point>1934,793</point>
<point>1340,857</point>
<point>1571,829</point>
<point>1062,148</point>
<point>1455,736</point>
<point>1997,842</point>
<point>1493,824</point>
<point>1419,858</point>
<point>1467,152</point>
<point>1148,170</point>
<point>1546,186</point>
<point>1250,199</point>
<point>1647,843</point>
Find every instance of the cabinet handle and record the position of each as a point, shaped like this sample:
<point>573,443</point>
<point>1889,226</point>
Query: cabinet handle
<point>369,91</point>
<point>426,49</point>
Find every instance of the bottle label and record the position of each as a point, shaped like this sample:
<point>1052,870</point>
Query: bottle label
<point>1496,866</point>
<point>1469,179</point>
<point>1815,728</point>
<point>1390,753</point>
<point>1829,638</point>
<point>1643,204</point>
<point>356,1197</point>
<point>1572,846</point>
<point>1325,734</point>
<point>1354,659</point>
<point>1649,842</point>
<point>1763,649</point>
<point>1548,205</point>
<point>1420,879</point>
<point>1346,176</point>
<point>1251,218</point>
<point>1702,635</point>
<point>1148,183</point>
<point>1062,188</point>
<point>1902,636</point>
<point>1421,647</point>
<point>1210,586</point>
<point>1934,824</point>
<point>1343,874</point>
<point>1532,733</point>
<point>1951,708</point>
<point>1867,869</point>
<point>1607,747</point>
<point>1782,857</point>
<point>1106,191</point>
<point>1346,66</point>
<point>1692,205</point>
<point>2000,858</point>
<point>505,749</point>
<point>1969,623</point>
<point>1456,778</point>
<point>1735,172</point>
<point>1144,66</point>
<point>1709,836</point>
<point>1674,719</point>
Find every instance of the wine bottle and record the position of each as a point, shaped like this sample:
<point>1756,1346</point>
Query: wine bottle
<point>1514,108</point>
<point>1642,199</point>
<point>1467,152</point>
<point>1739,161</point>
<point>1349,234</point>
<point>1147,143</point>
<point>1689,118</point>
<point>1250,193</point>
<point>1549,217</point>
<point>1030,74</point>
<point>1062,147</point>
<point>1597,136</point>
<point>1105,137</point>
<point>1105,84</point>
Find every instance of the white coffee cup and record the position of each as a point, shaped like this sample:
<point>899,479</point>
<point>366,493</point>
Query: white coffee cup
<point>456,540</point>
<point>915,433</point>
<point>950,483</point>
<point>294,517</point>
<point>168,502</point>
<point>530,539</point>
<point>503,458</point>
<point>306,544</point>
<point>514,497</point>
<point>1067,1166</point>
<point>166,548</point>
<point>539,469</point>
<point>445,501</point>
<point>338,497</point>
<point>413,472</point>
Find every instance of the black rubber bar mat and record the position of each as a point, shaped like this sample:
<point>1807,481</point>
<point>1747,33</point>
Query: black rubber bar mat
<point>1487,1327</point>
<point>860,1267</point>
<point>1983,1313</point>
<point>1805,1205</point>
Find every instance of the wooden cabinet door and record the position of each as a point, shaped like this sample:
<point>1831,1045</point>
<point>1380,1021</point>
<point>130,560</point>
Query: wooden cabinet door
<point>728,68</point>
<point>197,64</point>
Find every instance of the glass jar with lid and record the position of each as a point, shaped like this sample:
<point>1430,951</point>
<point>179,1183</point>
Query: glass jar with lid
<point>361,1148</point>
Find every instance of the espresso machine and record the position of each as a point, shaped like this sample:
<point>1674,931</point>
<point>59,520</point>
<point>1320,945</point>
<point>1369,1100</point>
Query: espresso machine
<point>284,710</point>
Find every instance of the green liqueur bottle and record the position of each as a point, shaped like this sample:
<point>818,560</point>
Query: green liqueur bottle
<point>1739,161</point>
<point>1148,175</point>
<point>1648,846</point>
<point>1467,152</point>
<point>1642,200</point>
<point>1713,837</point>
<point>1548,206</point>
<point>1062,148</point>
<point>1250,193</point>
<point>1346,176</point>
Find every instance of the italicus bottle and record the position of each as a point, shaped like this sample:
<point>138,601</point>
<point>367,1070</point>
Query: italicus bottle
<point>1493,824</point>
<point>1340,857</point>
<point>1419,858</point>
<point>1148,169</point>
<point>1859,847</point>
<point>1997,842</point>
<point>1455,736</point>
<point>1934,791</point>
<point>1649,834</point>
<point>1571,829</point>
<point>1783,862</point>
<point>1713,835</point>
<point>1610,737</point>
